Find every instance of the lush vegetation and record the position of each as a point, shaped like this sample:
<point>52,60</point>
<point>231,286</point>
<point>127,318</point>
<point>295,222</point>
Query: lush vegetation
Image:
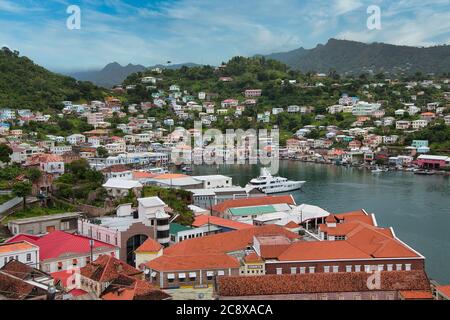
<point>81,184</point>
<point>24,84</point>
<point>37,211</point>
<point>9,175</point>
<point>177,199</point>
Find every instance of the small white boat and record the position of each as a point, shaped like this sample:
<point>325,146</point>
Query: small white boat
<point>269,184</point>
<point>378,170</point>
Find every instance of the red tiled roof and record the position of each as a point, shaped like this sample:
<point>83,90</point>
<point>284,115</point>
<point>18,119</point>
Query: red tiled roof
<point>58,243</point>
<point>321,250</point>
<point>107,269</point>
<point>226,242</point>
<point>186,263</point>
<point>150,245</point>
<point>320,283</point>
<point>204,220</point>
<point>128,288</point>
<point>239,203</point>
<point>416,294</point>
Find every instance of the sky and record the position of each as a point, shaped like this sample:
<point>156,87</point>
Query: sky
<point>206,31</point>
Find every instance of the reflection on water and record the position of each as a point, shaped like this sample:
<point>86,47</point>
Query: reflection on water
<point>417,207</point>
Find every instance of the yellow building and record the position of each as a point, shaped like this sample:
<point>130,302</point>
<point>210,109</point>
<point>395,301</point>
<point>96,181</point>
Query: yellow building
<point>253,266</point>
<point>148,251</point>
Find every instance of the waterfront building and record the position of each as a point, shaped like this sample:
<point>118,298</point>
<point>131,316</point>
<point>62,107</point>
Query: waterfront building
<point>433,162</point>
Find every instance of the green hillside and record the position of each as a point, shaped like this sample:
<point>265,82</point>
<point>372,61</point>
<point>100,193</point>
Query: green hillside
<point>23,84</point>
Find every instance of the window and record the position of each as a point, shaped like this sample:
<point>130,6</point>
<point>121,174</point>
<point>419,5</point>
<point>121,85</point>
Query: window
<point>326,269</point>
<point>312,269</point>
<point>221,273</point>
<point>302,270</point>
<point>181,277</point>
<point>192,276</point>
<point>357,268</point>
<point>170,277</point>
<point>28,257</point>
<point>357,297</point>
<point>390,267</point>
<point>293,270</point>
<point>398,267</point>
<point>209,275</point>
<point>335,269</point>
<point>408,267</point>
<point>367,268</point>
<point>279,271</point>
<point>348,268</point>
<point>380,267</point>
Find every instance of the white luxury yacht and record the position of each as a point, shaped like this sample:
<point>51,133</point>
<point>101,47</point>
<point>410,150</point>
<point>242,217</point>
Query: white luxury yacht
<point>269,184</point>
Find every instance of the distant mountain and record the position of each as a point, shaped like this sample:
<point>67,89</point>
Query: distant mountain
<point>175,66</point>
<point>356,57</point>
<point>24,84</point>
<point>114,74</point>
<point>110,75</point>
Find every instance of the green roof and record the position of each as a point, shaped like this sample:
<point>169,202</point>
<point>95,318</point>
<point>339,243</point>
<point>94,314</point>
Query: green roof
<point>176,227</point>
<point>249,211</point>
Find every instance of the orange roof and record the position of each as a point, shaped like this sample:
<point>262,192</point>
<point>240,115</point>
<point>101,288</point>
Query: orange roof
<point>378,243</point>
<point>203,220</point>
<point>149,245</point>
<point>252,258</point>
<point>291,225</point>
<point>322,250</point>
<point>343,229</point>
<point>186,263</point>
<point>416,294</point>
<point>427,114</point>
<point>171,176</point>
<point>226,242</point>
<point>239,203</point>
<point>142,175</point>
<point>444,290</point>
<point>18,246</point>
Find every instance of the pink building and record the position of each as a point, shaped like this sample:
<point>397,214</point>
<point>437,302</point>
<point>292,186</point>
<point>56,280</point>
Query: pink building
<point>433,162</point>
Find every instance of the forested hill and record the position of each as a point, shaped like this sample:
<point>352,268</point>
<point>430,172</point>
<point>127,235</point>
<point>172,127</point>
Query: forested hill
<point>354,57</point>
<point>23,84</point>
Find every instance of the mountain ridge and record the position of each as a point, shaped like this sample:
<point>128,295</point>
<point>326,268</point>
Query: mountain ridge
<point>114,73</point>
<point>353,57</point>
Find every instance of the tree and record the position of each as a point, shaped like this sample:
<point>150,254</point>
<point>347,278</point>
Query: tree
<point>22,189</point>
<point>5,153</point>
<point>102,152</point>
<point>33,174</point>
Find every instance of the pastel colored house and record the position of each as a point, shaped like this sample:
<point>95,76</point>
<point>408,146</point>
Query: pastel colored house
<point>433,162</point>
